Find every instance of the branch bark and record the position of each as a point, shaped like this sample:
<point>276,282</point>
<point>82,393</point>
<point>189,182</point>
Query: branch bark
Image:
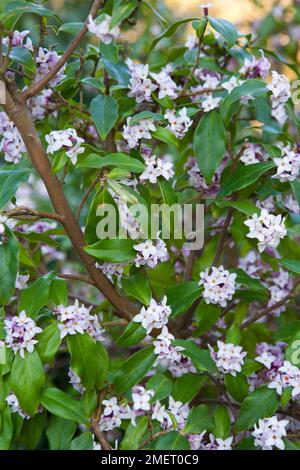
<point>23,120</point>
<point>37,87</point>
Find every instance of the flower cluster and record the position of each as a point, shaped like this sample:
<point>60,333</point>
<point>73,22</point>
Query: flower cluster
<point>67,140</point>
<point>156,167</point>
<point>75,381</point>
<point>46,60</point>
<point>140,85</point>
<point>78,319</point>
<point>151,253</point>
<point>133,133</point>
<point>288,165</point>
<point>20,333</point>
<point>218,284</point>
<point>179,123</point>
<point>101,27</point>
<point>229,358</point>
<point>288,376</point>
<point>21,281</point>
<point>267,228</point>
<point>215,443</point>
<point>17,40</point>
<point>141,398</point>
<point>14,405</point>
<point>11,144</point>
<point>155,316</point>
<point>179,411</point>
<point>268,433</point>
<point>253,153</point>
<point>256,68</point>
<point>280,88</point>
<point>167,86</point>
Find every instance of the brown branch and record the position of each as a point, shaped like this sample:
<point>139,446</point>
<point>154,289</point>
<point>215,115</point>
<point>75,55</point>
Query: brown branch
<point>23,120</point>
<point>37,87</point>
<point>78,277</point>
<point>261,314</point>
<point>25,213</point>
<point>86,195</point>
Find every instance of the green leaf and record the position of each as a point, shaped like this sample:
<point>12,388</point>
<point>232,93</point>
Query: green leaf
<point>120,160</point>
<point>35,296</point>
<point>89,360</point>
<point>135,435</point>
<point>22,56</point>
<point>161,385</point>
<point>70,28</point>
<point>201,358</point>
<point>172,441</point>
<point>243,177</point>
<point>109,51</point>
<point>27,380</point>
<point>225,28</point>
<point>170,31</point>
<point>237,386</point>
<point>6,433</point>
<point>295,185</point>
<point>207,315</point>
<point>187,386</point>
<point>291,265</point>
<point>15,9</point>
<point>198,420</point>
<point>104,110</point>
<point>83,442</point>
<point>138,287</point>
<point>246,207</point>
<point>32,430</point>
<point>115,250</point>
<point>59,291</point>
<point>222,422</point>
<point>182,296</point>
<point>9,267</point>
<point>11,176</point>
<point>262,403</point>
<point>252,87</point>
<point>122,11</point>
<point>134,333</point>
<point>246,280</point>
<point>165,135</point>
<point>49,342</point>
<point>209,144</point>
<point>146,115</point>
<point>60,404</point>
<point>292,352</point>
<point>118,72</point>
<point>60,432</point>
<point>134,369</point>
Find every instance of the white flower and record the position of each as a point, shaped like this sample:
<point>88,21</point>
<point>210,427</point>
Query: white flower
<point>266,359</point>
<point>77,319</point>
<point>254,153</point>
<point>135,132</point>
<point>288,166</point>
<point>288,376</point>
<point>13,402</point>
<point>141,398</point>
<point>280,88</point>
<point>178,123</point>
<point>268,433</point>
<point>67,139</point>
<point>167,86</point>
<point>150,253</point>
<point>75,381</point>
<point>267,228</point>
<point>140,86</point>
<point>21,281</point>
<point>254,68</point>
<point>229,358</point>
<point>17,39</point>
<point>155,316</point>
<point>160,413</point>
<point>102,29</point>
<point>156,167</point>
<point>110,418</point>
<point>231,84</point>
<point>46,60</point>
<point>180,411</point>
<point>219,285</point>
<point>20,333</point>
<point>224,444</point>
<point>210,103</point>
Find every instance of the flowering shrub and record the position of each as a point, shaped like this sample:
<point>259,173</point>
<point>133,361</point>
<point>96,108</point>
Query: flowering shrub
<point>117,336</point>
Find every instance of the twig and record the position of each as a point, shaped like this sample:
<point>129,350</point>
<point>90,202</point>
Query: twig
<point>86,195</point>
<point>37,87</point>
<point>25,213</point>
<point>77,277</point>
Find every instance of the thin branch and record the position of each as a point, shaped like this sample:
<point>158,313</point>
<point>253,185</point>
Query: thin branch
<point>25,213</point>
<point>86,195</point>
<point>37,87</point>
<point>78,277</point>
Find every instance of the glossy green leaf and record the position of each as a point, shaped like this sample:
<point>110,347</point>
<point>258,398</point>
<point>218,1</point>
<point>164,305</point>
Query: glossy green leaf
<point>60,404</point>
<point>104,111</point>
<point>134,369</point>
